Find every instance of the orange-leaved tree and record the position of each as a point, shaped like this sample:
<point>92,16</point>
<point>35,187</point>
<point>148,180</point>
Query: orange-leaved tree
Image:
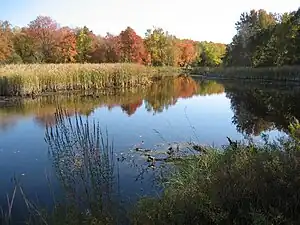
<point>6,47</point>
<point>43,30</point>
<point>66,45</point>
<point>132,47</point>
<point>187,52</point>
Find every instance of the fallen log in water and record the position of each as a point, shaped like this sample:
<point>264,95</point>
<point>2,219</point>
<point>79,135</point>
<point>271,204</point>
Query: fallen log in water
<point>171,153</point>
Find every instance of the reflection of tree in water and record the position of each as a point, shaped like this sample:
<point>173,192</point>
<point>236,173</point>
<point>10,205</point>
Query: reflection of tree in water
<point>165,93</point>
<point>48,118</point>
<point>258,110</point>
<point>84,165</point>
<point>131,107</point>
<point>158,97</point>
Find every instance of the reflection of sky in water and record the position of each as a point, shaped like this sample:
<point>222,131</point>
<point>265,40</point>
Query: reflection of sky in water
<point>210,116</point>
<point>24,152</point>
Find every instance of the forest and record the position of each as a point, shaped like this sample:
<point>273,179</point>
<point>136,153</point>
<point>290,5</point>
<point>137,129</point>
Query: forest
<point>265,39</point>
<point>262,39</point>
<point>44,41</point>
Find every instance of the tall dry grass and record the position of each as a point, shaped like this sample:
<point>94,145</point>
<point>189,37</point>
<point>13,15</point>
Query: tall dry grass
<point>284,73</point>
<point>20,80</point>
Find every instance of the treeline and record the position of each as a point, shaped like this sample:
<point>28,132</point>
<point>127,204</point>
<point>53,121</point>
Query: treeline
<point>265,39</point>
<point>262,39</point>
<point>45,41</point>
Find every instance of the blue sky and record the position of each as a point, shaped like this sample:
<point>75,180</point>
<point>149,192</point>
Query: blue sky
<point>211,20</point>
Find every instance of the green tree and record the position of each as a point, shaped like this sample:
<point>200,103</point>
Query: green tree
<point>265,39</point>
<point>158,44</point>
<point>26,47</point>
<point>83,44</point>
<point>242,51</point>
<point>172,51</point>
<point>211,54</point>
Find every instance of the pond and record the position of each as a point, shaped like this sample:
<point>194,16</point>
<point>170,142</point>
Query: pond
<point>174,110</point>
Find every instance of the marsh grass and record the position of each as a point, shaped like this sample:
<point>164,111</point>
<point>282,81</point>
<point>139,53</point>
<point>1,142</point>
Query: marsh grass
<point>84,164</point>
<point>6,215</point>
<point>34,79</point>
<point>284,73</point>
<point>239,184</point>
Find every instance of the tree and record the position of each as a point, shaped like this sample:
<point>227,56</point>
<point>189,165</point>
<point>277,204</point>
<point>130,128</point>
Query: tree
<point>157,44</point>
<point>98,53</point>
<point>6,45</point>
<point>187,52</point>
<point>25,47</point>
<point>83,44</point>
<point>173,51</point>
<point>211,53</point>
<point>112,48</point>
<point>243,49</point>
<point>66,48</point>
<point>132,47</point>
<point>43,31</point>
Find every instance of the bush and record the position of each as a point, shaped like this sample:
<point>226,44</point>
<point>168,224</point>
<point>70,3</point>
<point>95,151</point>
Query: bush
<point>240,184</point>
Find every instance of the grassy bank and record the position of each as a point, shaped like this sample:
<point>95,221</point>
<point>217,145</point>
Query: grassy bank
<point>19,80</point>
<point>285,73</point>
<point>240,184</point>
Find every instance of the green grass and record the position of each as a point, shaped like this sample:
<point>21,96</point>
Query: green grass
<point>239,184</point>
<point>20,80</point>
<point>285,73</point>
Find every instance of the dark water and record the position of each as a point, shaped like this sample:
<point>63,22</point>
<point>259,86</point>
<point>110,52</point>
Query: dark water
<point>174,110</point>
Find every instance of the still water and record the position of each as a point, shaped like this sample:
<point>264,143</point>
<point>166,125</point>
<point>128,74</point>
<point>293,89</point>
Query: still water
<point>174,110</point>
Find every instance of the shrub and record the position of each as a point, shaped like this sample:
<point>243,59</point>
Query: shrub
<point>240,184</point>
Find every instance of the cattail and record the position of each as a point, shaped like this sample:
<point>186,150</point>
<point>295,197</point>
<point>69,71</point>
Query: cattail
<point>40,78</point>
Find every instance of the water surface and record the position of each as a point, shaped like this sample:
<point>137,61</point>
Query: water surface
<point>173,110</point>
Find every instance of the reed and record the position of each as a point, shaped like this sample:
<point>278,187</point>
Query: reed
<point>20,80</point>
<point>85,167</point>
<point>84,161</point>
<point>285,73</point>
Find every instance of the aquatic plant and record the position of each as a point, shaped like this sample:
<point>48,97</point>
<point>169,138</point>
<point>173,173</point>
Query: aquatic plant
<point>34,79</point>
<point>84,162</point>
<point>243,183</point>
<point>284,73</point>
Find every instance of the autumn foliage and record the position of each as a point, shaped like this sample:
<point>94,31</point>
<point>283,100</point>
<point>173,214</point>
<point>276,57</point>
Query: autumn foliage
<point>44,41</point>
<point>187,52</point>
<point>132,47</point>
<point>66,48</point>
<point>5,40</point>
